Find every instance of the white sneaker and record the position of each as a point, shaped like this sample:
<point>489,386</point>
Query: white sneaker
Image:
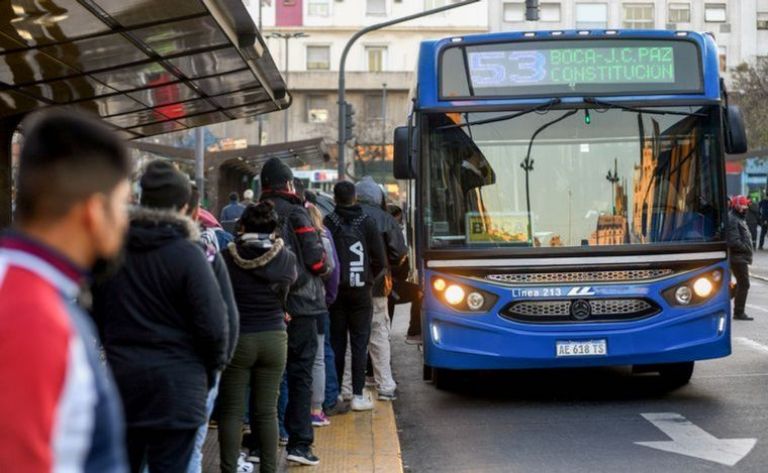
<point>242,465</point>
<point>362,403</point>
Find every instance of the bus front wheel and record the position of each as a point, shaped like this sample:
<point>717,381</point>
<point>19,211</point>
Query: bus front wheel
<point>442,378</point>
<point>426,373</point>
<point>676,375</point>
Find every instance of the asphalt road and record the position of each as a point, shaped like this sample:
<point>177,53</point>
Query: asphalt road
<point>575,421</point>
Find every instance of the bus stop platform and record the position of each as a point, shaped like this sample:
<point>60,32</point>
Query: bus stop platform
<point>356,442</point>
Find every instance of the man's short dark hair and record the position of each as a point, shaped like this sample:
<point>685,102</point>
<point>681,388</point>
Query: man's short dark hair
<point>233,196</point>
<point>344,193</point>
<point>66,157</point>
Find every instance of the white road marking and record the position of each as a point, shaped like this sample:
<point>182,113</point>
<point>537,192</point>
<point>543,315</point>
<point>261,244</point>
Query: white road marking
<point>751,344</point>
<point>757,307</point>
<point>693,441</point>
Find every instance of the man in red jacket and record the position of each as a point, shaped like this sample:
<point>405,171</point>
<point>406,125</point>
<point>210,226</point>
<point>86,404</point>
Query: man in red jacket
<point>59,408</point>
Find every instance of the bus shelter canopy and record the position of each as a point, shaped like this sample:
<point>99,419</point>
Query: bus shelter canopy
<point>145,66</point>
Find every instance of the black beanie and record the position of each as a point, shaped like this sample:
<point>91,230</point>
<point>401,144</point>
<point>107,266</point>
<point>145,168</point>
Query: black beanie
<point>275,174</point>
<point>164,187</point>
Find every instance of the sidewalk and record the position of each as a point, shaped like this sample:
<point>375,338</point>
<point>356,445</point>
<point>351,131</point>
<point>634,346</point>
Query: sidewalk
<point>759,267</point>
<point>357,442</point>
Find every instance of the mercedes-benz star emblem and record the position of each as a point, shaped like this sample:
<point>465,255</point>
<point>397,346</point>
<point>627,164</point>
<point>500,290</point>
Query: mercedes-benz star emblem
<point>580,309</point>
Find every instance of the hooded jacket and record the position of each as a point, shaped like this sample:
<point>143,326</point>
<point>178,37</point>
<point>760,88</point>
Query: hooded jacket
<point>163,323</point>
<point>261,271</point>
<point>739,238</point>
<point>306,296</point>
<point>371,197</point>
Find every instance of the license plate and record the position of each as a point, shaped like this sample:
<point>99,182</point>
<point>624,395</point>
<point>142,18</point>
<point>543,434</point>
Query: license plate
<point>582,348</point>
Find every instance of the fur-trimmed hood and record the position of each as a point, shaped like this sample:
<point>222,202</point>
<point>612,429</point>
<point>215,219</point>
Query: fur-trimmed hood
<point>153,228</point>
<point>253,250</point>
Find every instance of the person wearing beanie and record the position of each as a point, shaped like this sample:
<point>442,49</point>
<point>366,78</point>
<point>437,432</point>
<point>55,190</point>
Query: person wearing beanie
<point>233,210</point>
<point>247,197</point>
<point>163,324</point>
<point>306,302</point>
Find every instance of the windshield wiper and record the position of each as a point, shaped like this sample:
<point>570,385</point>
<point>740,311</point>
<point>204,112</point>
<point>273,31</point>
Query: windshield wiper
<point>604,104</point>
<point>542,106</point>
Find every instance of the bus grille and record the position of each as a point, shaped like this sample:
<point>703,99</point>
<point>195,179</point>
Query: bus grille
<point>580,276</point>
<point>601,310</point>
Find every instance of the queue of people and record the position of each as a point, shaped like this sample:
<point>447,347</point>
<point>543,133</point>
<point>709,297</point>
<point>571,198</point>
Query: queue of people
<point>155,317</point>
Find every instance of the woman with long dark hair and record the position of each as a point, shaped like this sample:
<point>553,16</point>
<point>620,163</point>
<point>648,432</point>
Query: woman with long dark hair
<point>261,268</point>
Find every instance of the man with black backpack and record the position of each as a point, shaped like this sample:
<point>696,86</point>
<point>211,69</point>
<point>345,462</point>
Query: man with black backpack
<point>362,257</point>
<point>306,301</point>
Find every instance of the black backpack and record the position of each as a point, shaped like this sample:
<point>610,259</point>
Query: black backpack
<point>352,251</point>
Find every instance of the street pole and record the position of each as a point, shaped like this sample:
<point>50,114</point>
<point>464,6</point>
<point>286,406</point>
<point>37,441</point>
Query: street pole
<point>261,121</point>
<point>342,66</point>
<point>384,121</point>
<point>200,160</point>
<point>285,113</point>
<point>613,179</point>
<point>287,37</point>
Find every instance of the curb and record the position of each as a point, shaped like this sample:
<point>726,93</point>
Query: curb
<point>758,277</point>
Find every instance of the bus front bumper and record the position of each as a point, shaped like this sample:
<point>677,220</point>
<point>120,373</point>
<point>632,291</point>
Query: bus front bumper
<point>491,342</point>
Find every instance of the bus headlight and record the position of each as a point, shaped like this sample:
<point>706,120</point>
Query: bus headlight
<point>454,294</point>
<point>462,297</point>
<point>696,290</point>
<point>703,287</point>
<point>475,301</point>
<point>683,295</point>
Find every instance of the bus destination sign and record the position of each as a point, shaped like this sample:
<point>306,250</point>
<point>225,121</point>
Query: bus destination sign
<point>590,67</point>
<point>571,66</point>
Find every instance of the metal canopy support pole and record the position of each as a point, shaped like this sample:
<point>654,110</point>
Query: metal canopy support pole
<point>342,66</point>
<point>384,121</point>
<point>200,160</point>
<point>7,127</point>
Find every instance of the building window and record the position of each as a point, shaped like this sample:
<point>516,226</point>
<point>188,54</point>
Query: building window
<point>376,57</point>
<point>762,20</point>
<point>376,7</point>
<point>317,109</point>
<point>373,110</point>
<point>318,58</point>
<point>319,8</point>
<point>638,16</point>
<point>514,12</point>
<point>679,13</point>
<point>591,16</point>
<point>714,13</point>
<point>549,12</point>
<point>723,56</point>
<point>430,4</point>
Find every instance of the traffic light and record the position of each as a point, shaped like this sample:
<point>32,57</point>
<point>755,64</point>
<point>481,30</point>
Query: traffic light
<point>532,10</point>
<point>349,121</point>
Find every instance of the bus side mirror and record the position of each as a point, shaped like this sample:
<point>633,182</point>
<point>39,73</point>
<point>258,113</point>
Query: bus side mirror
<point>402,166</point>
<point>735,133</point>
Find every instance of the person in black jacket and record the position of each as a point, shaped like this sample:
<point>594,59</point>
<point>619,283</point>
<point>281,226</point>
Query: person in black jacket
<point>162,322</point>
<point>225,286</point>
<point>305,303</point>
<point>361,257</point>
<point>740,249</point>
<point>261,268</point>
<point>372,202</point>
<point>753,221</point>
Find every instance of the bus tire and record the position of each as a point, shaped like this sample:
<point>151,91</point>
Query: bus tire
<point>426,373</point>
<point>675,375</point>
<point>442,378</point>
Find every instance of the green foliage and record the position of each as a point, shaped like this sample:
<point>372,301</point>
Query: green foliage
<point>750,92</point>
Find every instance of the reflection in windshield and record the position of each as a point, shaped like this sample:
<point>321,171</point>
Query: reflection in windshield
<point>609,177</point>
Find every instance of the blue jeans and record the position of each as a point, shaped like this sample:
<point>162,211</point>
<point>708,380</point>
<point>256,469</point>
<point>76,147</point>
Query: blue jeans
<point>196,462</point>
<point>331,378</point>
<point>282,405</point>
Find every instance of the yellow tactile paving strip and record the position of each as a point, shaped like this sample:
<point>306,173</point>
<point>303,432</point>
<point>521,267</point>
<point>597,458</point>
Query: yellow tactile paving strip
<point>359,442</point>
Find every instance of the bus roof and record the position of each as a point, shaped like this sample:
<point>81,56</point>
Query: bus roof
<point>428,91</point>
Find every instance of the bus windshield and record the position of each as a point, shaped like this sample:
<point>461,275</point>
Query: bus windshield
<point>588,177</point>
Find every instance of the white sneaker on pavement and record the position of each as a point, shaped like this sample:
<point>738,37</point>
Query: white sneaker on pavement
<point>362,403</point>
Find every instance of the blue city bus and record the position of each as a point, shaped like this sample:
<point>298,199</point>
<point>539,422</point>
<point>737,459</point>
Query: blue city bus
<point>567,200</point>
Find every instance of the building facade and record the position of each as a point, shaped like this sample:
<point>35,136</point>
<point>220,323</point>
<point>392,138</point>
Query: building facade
<point>380,68</point>
<point>740,26</point>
